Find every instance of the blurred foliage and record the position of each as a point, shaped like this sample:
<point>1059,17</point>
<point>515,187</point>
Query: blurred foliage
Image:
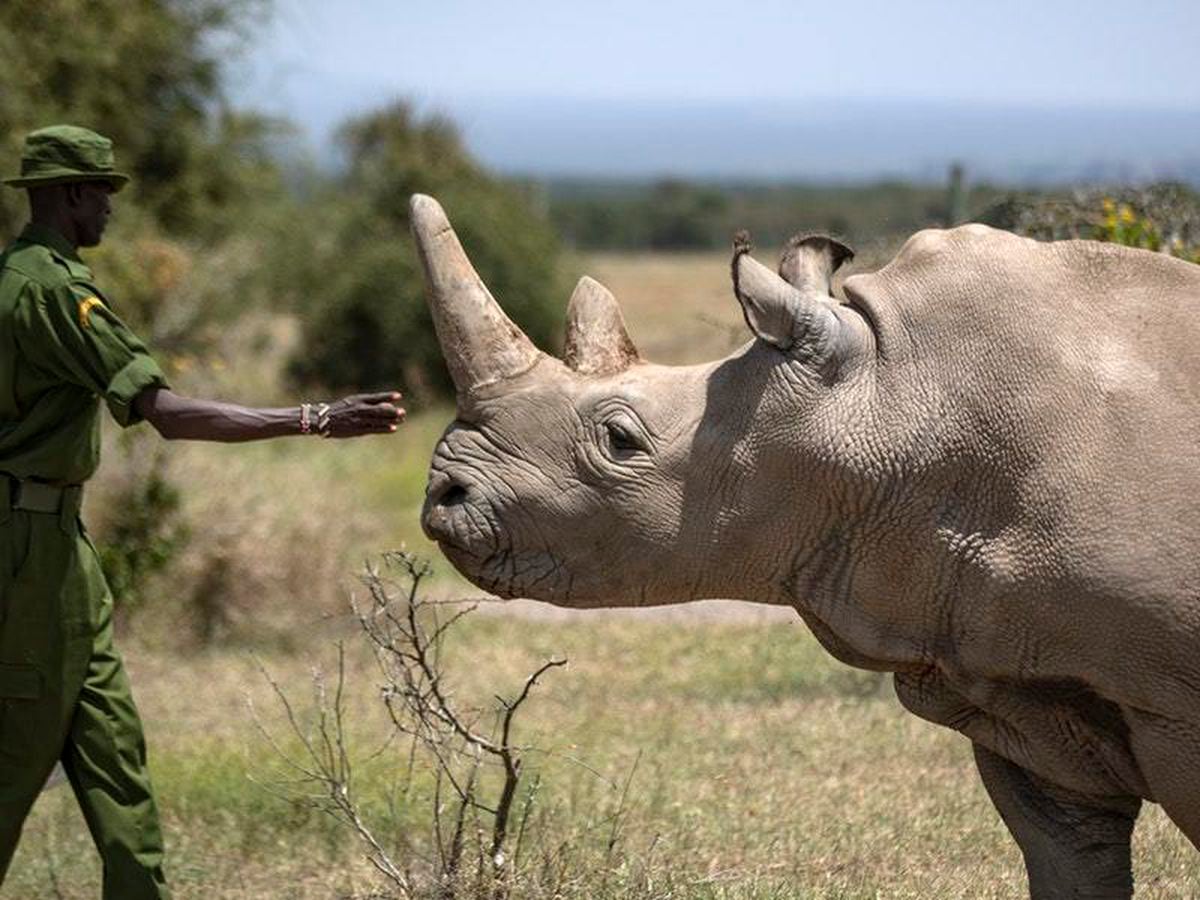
<point>358,285</point>
<point>146,73</point>
<point>175,262</point>
<point>183,295</point>
<point>676,215</point>
<point>1162,217</point>
<point>209,236</point>
<point>144,529</point>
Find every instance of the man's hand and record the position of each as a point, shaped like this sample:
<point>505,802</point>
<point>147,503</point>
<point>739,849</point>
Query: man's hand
<point>362,414</point>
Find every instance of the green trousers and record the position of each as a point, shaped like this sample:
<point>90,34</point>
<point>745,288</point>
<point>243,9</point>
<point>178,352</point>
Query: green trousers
<point>64,696</point>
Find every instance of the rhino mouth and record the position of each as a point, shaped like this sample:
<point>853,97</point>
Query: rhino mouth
<point>465,526</point>
<point>532,574</point>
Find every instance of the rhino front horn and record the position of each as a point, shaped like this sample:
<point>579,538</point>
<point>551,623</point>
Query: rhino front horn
<point>597,341</point>
<point>481,344</point>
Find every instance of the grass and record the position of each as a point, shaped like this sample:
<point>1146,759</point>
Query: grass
<point>808,782</point>
<point>758,767</point>
<point>679,307</point>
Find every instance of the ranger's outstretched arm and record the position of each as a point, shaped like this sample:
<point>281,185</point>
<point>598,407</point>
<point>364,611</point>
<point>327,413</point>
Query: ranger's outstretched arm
<point>176,417</point>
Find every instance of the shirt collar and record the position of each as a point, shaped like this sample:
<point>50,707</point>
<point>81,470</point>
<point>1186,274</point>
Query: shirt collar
<point>48,237</point>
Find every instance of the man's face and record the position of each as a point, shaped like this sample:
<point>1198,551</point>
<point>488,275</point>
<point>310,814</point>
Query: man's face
<point>91,205</point>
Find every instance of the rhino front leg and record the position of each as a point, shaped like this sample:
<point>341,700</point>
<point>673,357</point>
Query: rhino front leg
<point>1074,846</point>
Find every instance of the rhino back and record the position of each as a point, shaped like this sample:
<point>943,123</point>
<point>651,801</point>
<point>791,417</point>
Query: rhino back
<point>1044,397</point>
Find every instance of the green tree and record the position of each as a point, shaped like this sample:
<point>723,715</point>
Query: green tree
<point>360,288</point>
<point>681,216</point>
<point>147,73</point>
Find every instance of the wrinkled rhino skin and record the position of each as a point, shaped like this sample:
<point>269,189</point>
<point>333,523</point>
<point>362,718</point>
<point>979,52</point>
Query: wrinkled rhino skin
<point>980,471</point>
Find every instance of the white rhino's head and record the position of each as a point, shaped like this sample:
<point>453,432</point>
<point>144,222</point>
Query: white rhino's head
<point>602,480</point>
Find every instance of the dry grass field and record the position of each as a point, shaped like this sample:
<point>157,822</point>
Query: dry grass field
<point>702,752</point>
<point>763,769</point>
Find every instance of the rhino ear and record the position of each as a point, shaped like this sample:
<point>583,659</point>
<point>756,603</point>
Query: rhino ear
<point>792,318</point>
<point>597,342</point>
<point>809,261</point>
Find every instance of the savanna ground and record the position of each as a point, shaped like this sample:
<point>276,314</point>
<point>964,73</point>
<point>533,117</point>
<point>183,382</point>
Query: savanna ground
<point>709,751</point>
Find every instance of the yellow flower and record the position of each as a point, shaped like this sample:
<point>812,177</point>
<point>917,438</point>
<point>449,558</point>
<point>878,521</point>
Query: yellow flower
<point>1126,214</point>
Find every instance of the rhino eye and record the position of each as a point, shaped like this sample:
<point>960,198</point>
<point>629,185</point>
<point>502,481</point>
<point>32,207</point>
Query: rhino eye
<point>624,440</point>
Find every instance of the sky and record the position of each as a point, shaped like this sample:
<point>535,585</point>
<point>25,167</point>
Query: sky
<point>576,85</point>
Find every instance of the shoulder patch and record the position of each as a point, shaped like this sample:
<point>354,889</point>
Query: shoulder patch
<point>86,305</point>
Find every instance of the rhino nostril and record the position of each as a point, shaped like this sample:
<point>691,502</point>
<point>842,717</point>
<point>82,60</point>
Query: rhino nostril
<point>445,503</point>
<point>445,491</point>
<point>453,495</point>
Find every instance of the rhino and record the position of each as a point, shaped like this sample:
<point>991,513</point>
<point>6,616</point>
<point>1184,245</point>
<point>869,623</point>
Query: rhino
<point>979,470</point>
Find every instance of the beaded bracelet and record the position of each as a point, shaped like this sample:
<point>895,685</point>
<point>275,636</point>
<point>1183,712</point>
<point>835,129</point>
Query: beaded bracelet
<point>315,419</point>
<point>323,420</point>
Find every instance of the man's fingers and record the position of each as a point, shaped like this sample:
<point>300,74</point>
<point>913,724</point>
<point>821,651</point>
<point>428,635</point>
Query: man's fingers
<point>388,423</point>
<point>371,420</point>
<point>380,397</point>
<point>384,411</point>
<point>369,428</point>
<point>391,423</point>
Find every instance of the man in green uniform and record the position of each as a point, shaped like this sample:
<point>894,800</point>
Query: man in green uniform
<point>64,695</point>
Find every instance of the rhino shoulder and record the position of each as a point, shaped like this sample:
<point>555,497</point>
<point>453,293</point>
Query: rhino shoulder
<point>943,278</point>
<point>949,246</point>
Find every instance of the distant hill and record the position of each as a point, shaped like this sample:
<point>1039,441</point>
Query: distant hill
<point>808,140</point>
<point>836,140</point>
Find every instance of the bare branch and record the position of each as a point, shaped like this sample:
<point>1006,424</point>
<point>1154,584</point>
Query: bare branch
<point>407,637</point>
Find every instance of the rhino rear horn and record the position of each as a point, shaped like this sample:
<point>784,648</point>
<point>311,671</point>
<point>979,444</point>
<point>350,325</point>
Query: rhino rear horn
<point>791,317</point>
<point>809,261</point>
<point>481,344</point>
<point>597,342</point>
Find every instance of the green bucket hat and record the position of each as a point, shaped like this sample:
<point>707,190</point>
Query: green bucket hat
<point>64,153</point>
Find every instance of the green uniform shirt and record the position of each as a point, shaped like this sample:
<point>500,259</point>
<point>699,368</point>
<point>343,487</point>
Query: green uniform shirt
<point>61,350</point>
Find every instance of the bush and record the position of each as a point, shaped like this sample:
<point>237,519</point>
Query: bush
<point>360,290</point>
<point>143,529</point>
<point>703,215</point>
<point>147,74</point>
<point>1162,217</point>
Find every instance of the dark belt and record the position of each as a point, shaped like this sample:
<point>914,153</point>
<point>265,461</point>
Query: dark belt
<point>39,497</point>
